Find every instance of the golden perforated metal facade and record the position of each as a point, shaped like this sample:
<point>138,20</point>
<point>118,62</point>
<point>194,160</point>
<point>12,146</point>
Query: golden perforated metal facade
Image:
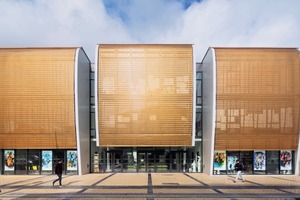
<point>257,99</point>
<point>145,95</point>
<point>37,98</point>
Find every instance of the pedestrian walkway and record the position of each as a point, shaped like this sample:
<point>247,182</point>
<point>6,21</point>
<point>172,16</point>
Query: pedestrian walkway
<point>150,186</point>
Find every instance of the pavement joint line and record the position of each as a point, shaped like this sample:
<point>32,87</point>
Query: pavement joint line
<point>160,187</point>
<point>152,196</point>
<point>149,188</point>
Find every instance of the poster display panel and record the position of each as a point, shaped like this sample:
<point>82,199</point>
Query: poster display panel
<point>72,160</point>
<point>259,160</point>
<point>285,160</point>
<point>220,160</point>
<point>46,160</point>
<point>9,160</point>
<point>231,160</point>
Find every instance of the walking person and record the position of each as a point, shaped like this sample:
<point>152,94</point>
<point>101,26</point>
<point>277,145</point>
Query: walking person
<point>58,169</point>
<point>239,168</point>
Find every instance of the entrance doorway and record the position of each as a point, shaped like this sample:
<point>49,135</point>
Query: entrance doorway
<point>159,161</point>
<point>141,160</point>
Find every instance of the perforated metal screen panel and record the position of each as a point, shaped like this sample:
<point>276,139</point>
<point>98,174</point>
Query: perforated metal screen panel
<point>145,95</point>
<point>257,99</point>
<point>37,98</point>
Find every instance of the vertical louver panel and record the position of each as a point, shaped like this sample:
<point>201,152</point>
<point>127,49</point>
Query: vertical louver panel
<point>145,95</point>
<point>37,98</point>
<point>257,99</point>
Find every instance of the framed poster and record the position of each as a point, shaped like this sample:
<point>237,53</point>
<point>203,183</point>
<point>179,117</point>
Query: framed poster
<point>46,160</point>
<point>231,160</point>
<point>9,160</point>
<point>285,160</point>
<point>220,160</point>
<point>71,160</point>
<point>259,160</point>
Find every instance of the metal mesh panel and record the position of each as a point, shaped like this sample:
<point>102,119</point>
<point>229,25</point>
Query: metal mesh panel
<point>37,98</point>
<point>145,95</point>
<point>257,99</point>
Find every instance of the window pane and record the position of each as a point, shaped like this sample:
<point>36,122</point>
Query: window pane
<point>199,75</point>
<point>199,88</point>
<point>93,121</point>
<point>92,88</point>
<point>272,162</point>
<point>21,164</point>
<point>33,161</point>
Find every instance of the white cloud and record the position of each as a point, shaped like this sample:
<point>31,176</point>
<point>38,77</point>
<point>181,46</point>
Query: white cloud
<point>262,23</point>
<point>256,23</point>
<point>58,23</point>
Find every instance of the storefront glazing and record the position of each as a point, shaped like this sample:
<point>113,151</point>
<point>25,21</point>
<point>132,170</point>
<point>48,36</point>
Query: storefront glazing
<point>33,161</point>
<point>147,159</point>
<point>258,162</point>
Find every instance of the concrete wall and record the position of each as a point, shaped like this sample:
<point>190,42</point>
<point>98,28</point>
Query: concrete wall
<point>209,108</point>
<point>82,110</point>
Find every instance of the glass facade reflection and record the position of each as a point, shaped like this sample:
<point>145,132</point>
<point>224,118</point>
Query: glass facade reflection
<point>154,159</point>
<point>257,162</point>
<point>34,161</point>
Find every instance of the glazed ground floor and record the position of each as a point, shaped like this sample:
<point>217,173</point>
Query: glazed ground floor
<point>146,159</point>
<point>37,161</point>
<point>255,162</point>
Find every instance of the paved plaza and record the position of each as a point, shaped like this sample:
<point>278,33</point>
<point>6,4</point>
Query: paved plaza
<point>150,186</point>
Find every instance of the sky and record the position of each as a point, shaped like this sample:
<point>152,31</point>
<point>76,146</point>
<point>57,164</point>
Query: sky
<point>203,23</point>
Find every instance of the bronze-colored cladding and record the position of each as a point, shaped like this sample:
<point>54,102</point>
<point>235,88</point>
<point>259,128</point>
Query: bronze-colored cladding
<point>145,95</point>
<point>37,98</point>
<point>257,99</point>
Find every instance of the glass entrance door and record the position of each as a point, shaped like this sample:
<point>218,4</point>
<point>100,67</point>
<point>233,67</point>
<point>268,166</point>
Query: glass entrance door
<point>148,161</point>
<point>115,163</point>
<point>142,161</point>
<point>159,161</point>
<point>175,161</point>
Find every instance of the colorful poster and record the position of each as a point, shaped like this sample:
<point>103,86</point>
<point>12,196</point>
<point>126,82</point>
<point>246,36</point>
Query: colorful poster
<point>285,160</point>
<point>259,160</point>
<point>220,160</point>
<point>71,160</point>
<point>9,160</point>
<point>231,160</point>
<point>46,160</point>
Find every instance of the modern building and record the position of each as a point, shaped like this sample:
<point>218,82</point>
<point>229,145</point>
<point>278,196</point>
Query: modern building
<point>44,110</point>
<point>149,108</point>
<point>145,109</point>
<point>251,100</point>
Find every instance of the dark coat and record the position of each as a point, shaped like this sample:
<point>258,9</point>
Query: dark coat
<point>58,168</point>
<point>239,166</point>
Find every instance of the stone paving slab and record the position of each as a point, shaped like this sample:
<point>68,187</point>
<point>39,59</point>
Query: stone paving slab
<point>172,179</point>
<point>150,186</point>
<point>183,191</point>
<point>118,191</point>
<point>128,179</point>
